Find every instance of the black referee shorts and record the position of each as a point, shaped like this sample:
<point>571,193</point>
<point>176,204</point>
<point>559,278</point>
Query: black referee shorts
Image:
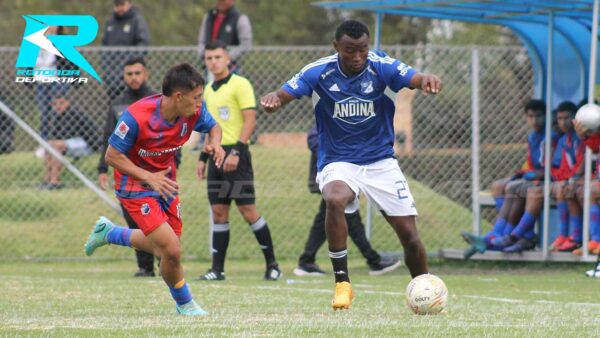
<point>235,186</point>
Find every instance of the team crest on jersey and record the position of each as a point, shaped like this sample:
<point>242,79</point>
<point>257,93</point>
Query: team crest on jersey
<point>366,87</point>
<point>354,110</point>
<point>183,129</point>
<point>224,113</point>
<point>145,209</point>
<point>122,130</point>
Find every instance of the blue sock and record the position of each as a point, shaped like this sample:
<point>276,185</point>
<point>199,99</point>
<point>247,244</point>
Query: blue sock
<point>577,228</point>
<point>119,236</point>
<point>499,201</point>
<point>508,229</point>
<point>497,230</point>
<point>595,222</point>
<point>563,218</point>
<point>529,234</point>
<point>526,223</point>
<point>181,294</point>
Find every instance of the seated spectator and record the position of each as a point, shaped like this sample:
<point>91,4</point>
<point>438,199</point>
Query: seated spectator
<point>71,133</point>
<point>566,159</point>
<point>592,140</point>
<point>515,188</point>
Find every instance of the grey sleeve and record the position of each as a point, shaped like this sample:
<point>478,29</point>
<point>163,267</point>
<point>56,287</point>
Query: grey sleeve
<point>142,36</point>
<point>244,30</point>
<point>202,39</point>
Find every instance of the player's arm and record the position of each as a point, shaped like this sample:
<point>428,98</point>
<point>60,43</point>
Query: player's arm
<point>159,182</point>
<point>275,100</point>
<point>428,83</point>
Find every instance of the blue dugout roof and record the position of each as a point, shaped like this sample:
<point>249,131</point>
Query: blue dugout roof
<point>528,19</point>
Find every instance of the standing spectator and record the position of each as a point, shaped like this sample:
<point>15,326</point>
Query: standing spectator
<point>135,77</point>
<point>71,133</point>
<point>230,100</point>
<point>46,91</point>
<point>126,27</point>
<point>306,264</point>
<point>227,24</point>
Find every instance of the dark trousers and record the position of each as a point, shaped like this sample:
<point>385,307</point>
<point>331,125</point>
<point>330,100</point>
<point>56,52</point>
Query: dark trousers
<point>144,260</point>
<point>356,230</point>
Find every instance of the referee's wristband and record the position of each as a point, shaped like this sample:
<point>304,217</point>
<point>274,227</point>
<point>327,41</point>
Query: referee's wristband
<point>239,146</point>
<point>203,156</point>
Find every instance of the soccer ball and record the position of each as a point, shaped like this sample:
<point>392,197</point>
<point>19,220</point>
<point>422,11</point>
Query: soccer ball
<point>426,294</point>
<point>589,116</point>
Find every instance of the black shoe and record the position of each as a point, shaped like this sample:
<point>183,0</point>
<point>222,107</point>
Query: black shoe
<point>144,273</point>
<point>521,245</point>
<point>385,264</point>
<point>273,272</point>
<point>213,275</point>
<point>308,269</point>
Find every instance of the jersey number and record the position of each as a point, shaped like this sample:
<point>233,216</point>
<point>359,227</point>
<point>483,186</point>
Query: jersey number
<point>400,191</point>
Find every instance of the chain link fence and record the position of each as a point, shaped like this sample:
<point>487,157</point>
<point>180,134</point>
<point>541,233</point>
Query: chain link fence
<point>433,133</point>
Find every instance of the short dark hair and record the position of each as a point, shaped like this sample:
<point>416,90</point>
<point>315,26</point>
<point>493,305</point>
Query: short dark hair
<point>353,28</point>
<point>567,106</point>
<point>537,106</point>
<point>215,44</point>
<point>120,2</point>
<point>182,76</point>
<point>134,60</point>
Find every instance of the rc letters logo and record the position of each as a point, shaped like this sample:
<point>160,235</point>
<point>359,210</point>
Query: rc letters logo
<point>63,46</point>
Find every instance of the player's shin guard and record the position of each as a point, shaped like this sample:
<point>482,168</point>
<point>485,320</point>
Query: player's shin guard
<point>263,237</point>
<point>523,229</point>
<point>181,292</point>
<point>119,236</point>
<point>339,260</point>
<point>220,242</point>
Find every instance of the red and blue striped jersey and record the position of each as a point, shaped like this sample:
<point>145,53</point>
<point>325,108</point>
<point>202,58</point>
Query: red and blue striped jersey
<point>151,142</point>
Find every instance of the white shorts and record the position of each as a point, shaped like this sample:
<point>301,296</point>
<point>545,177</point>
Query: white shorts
<point>382,182</point>
<point>77,147</point>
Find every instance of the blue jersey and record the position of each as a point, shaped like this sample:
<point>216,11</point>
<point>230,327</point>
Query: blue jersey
<point>354,114</point>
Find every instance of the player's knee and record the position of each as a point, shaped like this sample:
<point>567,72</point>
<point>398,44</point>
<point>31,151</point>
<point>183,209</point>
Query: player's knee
<point>412,241</point>
<point>336,201</point>
<point>498,188</point>
<point>172,253</point>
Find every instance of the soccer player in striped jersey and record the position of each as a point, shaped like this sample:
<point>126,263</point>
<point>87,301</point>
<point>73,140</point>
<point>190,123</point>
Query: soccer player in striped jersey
<point>142,151</point>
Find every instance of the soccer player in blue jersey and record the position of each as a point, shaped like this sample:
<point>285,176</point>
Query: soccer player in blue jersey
<point>353,94</point>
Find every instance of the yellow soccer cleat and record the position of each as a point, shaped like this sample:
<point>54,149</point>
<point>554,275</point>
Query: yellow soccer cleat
<point>343,296</point>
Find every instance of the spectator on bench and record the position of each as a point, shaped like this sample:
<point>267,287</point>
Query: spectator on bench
<point>566,159</point>
<point>592,140</point>
<point>71,133</point>
<point>515,188</point>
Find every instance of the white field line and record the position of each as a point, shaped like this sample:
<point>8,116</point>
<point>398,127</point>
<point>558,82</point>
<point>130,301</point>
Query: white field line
<point>391,293</point>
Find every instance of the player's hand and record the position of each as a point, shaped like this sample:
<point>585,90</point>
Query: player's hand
<point>217,153</point>
<point>430,84</point>
<point>201,170</point>
<point>270,102</point>
<point>580,129</point>
<point>530,176</point>
<point>166,187</point>
<point>231,163</point>
<point>103,181</point>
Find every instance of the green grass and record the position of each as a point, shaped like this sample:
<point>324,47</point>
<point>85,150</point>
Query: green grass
<point>48,224</point>
<point>102,299</point>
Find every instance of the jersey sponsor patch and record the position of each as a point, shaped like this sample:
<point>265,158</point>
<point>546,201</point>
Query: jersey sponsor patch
<point>122,130</point>
<point>334,88</point>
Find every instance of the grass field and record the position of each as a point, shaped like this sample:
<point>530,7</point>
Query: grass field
<point>27,214</point>
<point>101,299</point>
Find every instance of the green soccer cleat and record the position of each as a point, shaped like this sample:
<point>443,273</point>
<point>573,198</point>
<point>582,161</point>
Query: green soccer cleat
<point>98,236</point>
<point>190,308</point>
